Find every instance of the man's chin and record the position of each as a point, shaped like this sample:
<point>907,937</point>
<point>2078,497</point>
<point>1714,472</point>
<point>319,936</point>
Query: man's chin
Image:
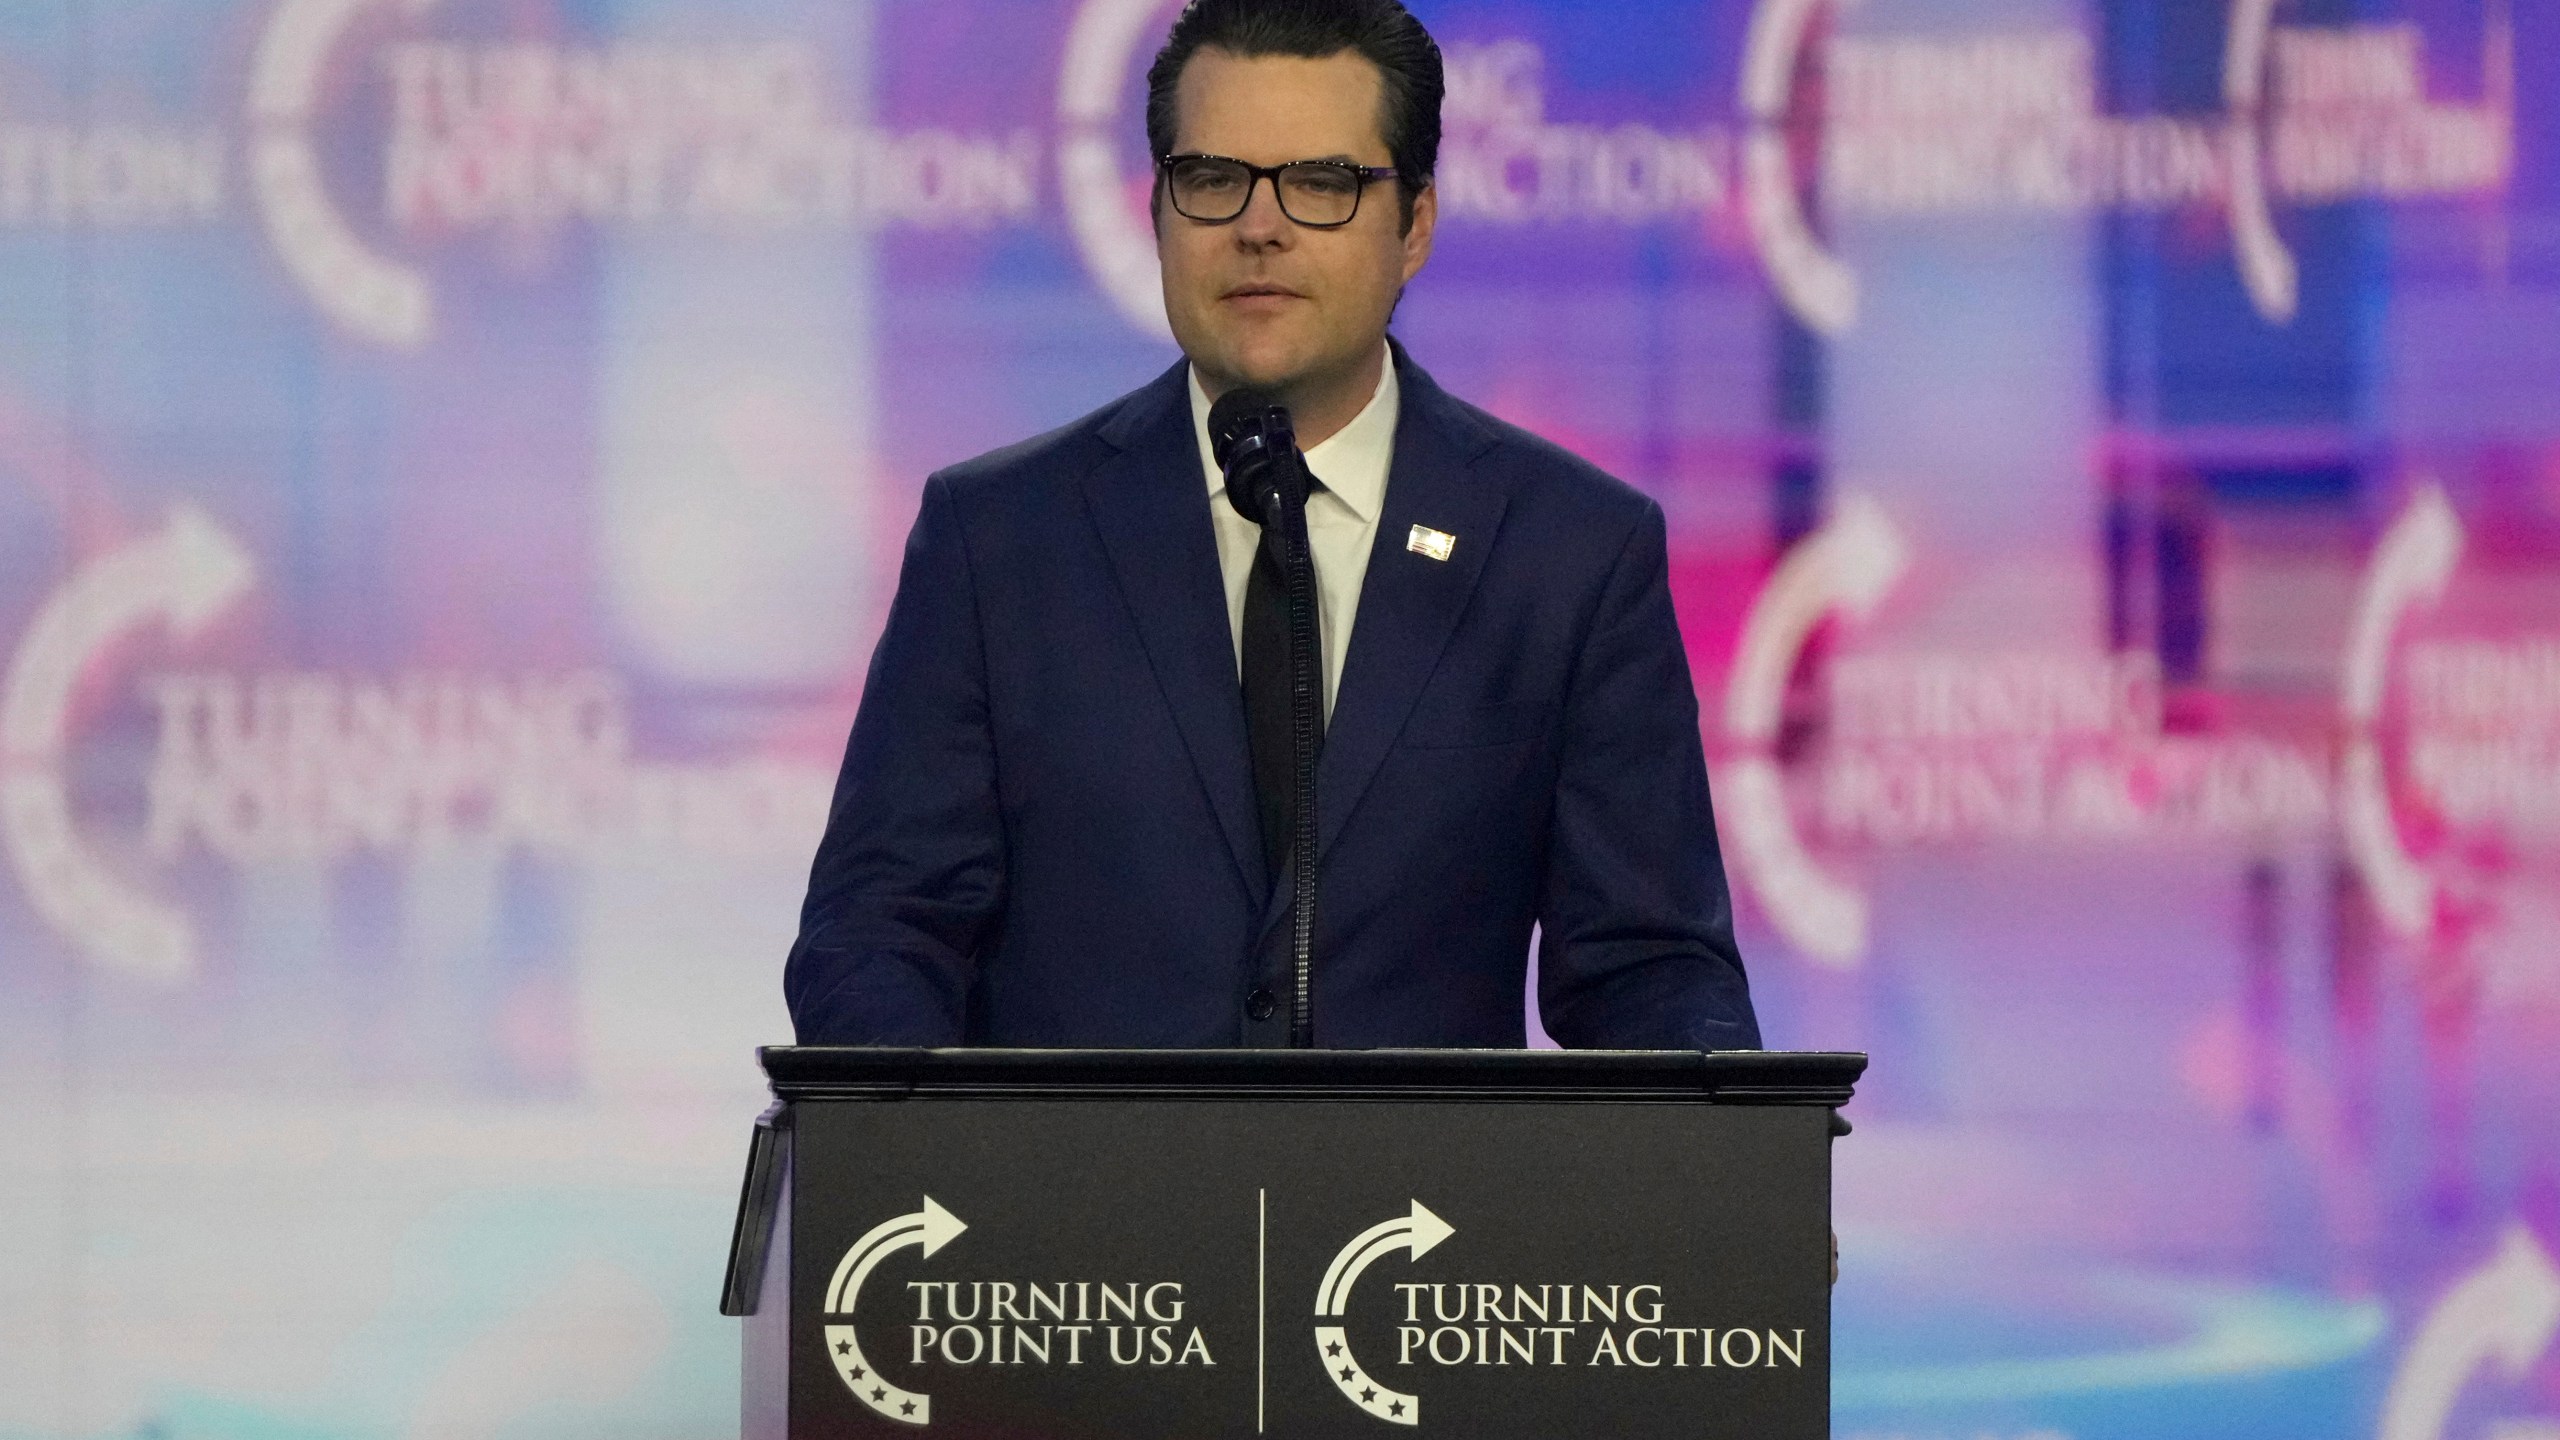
<point>1273,372</point>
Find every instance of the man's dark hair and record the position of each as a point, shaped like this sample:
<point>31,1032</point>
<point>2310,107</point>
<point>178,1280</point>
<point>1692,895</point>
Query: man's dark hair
<point>1382,31</point>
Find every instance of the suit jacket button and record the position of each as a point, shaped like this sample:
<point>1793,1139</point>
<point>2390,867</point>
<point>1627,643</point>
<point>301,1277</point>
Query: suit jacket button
<point>1261,1004</point>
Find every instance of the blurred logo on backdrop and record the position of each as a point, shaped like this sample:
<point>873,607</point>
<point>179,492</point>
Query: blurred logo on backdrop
<point>1880,127</point>
<point>515,136</point>
<point>2459,780</point>
<point>521,136</point>
<point>1892,748</point>
<point>1918,747</point>
<point>306,767</point>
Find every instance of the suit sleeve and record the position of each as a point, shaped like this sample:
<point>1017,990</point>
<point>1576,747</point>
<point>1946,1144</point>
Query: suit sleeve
<point>1636,948</point>
<point>909,879</point>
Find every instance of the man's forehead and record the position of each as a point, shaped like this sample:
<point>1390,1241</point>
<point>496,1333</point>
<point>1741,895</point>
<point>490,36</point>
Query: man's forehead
<point>1288,107</point>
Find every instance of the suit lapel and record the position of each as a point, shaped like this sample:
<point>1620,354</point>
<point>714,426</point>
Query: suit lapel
<point>1409,603</point>
<point>1150,504</point>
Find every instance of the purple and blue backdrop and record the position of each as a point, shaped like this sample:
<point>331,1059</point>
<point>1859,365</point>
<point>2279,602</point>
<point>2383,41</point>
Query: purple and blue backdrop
<point>454,456</point>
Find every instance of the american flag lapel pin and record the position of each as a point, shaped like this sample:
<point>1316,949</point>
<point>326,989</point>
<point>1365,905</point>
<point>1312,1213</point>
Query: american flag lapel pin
<point>1430,544</point>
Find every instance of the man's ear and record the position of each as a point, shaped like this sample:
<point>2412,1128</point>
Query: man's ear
<point>1418,235</point>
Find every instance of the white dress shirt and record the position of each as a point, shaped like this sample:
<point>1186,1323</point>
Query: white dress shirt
<point>1342,519</point>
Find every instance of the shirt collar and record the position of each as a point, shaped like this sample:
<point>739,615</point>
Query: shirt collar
<point>1352,462</point>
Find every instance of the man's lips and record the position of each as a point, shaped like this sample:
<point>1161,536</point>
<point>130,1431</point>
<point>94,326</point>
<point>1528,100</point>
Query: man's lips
<point>1262,292</point>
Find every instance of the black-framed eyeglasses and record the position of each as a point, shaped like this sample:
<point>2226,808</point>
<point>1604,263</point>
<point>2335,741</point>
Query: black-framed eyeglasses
<point>1319,194</point>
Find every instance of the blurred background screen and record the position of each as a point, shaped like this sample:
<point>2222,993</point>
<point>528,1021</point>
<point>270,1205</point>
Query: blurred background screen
<point>454,456</point>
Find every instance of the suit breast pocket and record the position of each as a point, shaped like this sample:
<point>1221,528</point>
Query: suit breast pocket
<point>1472,725</point>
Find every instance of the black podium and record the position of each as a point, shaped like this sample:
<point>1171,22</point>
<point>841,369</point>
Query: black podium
<point>1127,1245</point>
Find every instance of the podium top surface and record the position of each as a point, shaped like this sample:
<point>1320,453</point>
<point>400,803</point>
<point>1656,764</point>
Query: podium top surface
<point>1725,1077</point>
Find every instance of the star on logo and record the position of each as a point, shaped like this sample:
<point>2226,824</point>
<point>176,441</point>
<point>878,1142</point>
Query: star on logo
<point>907,1409</point>
<point>879,1394</point>
<point>844,1347</point>
<point>1396,1409</point>
<point>858,1372</point>
<point>1346,1374</point>
<point>1334,1349</point>
<point>1368,1397</point>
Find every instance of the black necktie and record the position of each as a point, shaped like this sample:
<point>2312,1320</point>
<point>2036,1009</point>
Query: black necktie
<point>1266,701</point>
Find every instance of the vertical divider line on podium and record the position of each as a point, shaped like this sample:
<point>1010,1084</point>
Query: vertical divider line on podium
<point>1261,1304</point>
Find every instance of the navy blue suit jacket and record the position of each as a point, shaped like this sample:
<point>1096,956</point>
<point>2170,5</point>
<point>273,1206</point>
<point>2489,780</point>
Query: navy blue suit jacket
<point>1045,835</point>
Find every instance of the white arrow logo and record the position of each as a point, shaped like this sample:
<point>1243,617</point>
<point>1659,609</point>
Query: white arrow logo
<point>2506,1311</point>
<point>374,297</point>
<point>2410,568</point>
<point>932,1228</point>
<point>185,576</point>
<point>1816,285</point>
<point>1418,1232</point>
<point>1846,568</point>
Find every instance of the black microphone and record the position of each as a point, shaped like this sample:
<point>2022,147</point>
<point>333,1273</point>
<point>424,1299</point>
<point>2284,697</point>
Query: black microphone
<point>1254,443</point>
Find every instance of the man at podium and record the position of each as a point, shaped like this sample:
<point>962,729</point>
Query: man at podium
<point>1062,811</point>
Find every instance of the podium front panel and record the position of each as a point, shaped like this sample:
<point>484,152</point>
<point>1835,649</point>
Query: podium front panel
<point>1125,1262</point>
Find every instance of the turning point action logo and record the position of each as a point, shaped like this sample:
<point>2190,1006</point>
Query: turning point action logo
<point>2034,747</point>
<point>528,135</point>
<point>183,578</point>
<point>1929,747</point>
<point>2008,122</point>
<point>1449,1325</point>
<point>315,767</point>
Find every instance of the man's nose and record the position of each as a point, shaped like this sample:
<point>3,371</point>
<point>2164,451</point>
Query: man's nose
<point>1263,223</point>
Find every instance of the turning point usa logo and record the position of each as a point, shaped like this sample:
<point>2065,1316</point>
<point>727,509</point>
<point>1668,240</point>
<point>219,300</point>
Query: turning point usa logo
<point>965,1323</point>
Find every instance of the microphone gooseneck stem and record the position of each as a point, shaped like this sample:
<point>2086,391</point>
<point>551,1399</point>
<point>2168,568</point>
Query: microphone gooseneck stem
<point>1306,719</point>
<point>1267,482</point>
